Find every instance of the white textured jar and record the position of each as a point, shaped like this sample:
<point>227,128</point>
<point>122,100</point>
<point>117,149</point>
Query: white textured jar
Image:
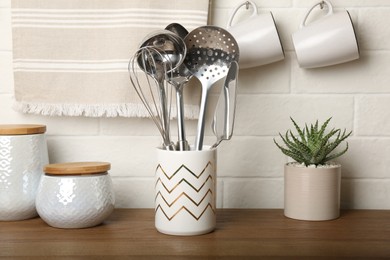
<point>23,153</point>
<point>75,195</point>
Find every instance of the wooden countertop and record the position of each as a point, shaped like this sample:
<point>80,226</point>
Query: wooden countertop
<point>239,234</point>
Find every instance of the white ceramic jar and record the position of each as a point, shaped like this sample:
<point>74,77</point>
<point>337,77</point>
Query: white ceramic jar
<point>23,153</point>
<point>75,195</point>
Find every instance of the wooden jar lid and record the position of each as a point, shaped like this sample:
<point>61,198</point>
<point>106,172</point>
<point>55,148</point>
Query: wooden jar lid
<point>24,129</point>
<point>77,168</point>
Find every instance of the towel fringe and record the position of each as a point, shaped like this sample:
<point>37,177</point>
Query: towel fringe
<point>96,110</point>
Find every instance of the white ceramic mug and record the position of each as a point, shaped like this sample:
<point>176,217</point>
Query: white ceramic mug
<point>257,38</point>
<point>327,41</point>
<point>185,192</point>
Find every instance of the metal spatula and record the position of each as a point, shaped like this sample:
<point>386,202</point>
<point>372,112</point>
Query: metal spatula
<point>223,121</point>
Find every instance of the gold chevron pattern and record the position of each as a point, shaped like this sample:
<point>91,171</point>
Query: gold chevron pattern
<point>183,180</point>
<point>183,167</point>
<point>192,198</point>
<point>184,208</point>
<point>183,194</point>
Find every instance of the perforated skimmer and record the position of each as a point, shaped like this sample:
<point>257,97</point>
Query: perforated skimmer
<point>210,50</point>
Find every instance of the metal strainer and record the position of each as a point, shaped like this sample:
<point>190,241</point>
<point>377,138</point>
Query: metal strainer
<point>210,50</point>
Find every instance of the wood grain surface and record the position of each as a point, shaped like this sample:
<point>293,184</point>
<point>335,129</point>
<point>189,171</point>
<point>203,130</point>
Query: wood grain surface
<point>22,129</point>
<point>77,168</point>
<point>240,234</point>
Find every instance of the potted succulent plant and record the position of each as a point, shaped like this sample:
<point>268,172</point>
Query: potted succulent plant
<point>312,182</point>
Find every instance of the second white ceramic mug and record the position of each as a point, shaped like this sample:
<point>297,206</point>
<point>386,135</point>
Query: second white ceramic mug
<point>257,37</point>
<point>327,41</point>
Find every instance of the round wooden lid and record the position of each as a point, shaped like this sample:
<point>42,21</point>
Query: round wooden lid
<point>23,129</point>
<point>77,168</point>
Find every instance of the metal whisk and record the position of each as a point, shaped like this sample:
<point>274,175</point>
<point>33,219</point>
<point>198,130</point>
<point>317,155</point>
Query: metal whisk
<point>148,69</point>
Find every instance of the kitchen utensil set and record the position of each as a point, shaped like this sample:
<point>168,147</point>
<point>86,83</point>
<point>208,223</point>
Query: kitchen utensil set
<point>170,57</point>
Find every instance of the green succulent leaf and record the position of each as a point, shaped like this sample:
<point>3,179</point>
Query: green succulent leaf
<point>314,144</point>
<point>333,156</point>
<point>323,127</point>
<point>300,132</point>
<point>289,153</point>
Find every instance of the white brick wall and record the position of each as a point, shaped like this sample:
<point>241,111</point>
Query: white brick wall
<point>250,167</point>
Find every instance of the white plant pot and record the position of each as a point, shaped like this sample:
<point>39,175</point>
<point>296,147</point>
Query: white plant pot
<point>312,193</point>
<point>185,192</point>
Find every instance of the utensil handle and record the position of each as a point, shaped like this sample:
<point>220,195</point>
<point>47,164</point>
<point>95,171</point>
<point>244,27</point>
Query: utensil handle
<point>232,85</point>
<point>201,121</point>
<point>165,117</point>
<point>182,142</point>
<point>330,11</point>
<point>229,103</point>
<point>238,7</point>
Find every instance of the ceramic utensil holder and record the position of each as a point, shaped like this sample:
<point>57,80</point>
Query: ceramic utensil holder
<point>23,153</point>
<point>75,195</point>
<point>185,192</point>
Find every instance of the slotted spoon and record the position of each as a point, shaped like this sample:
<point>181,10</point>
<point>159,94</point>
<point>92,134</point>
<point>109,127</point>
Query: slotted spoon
<point>210,50</point>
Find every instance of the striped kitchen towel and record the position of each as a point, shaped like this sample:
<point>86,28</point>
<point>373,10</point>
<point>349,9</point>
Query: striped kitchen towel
<point>70,56</point>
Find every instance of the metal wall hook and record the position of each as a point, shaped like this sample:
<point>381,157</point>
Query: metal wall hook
<point>322,5</point>
<point>247,5</point>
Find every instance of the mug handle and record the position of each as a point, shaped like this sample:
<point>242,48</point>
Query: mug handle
<point>238,7</point>
<point>330,11</point>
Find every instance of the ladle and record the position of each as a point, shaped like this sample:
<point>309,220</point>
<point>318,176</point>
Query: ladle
<point>170,45</point>
<point>178,78</point>
<point>178,29</point>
